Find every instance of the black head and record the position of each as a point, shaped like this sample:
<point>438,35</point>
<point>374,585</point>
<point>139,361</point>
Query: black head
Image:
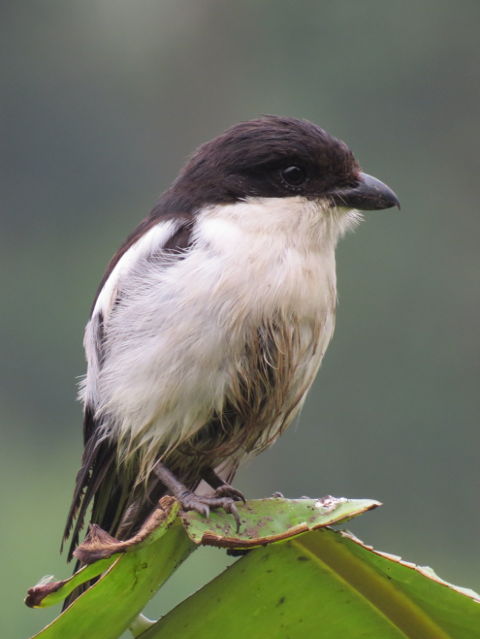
<point>274,157</point>
<point>269,157</point>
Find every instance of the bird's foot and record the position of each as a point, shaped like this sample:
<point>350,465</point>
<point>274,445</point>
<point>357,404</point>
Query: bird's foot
<point>224,497</point>
<point>202,505</point>
<point>225,490</point>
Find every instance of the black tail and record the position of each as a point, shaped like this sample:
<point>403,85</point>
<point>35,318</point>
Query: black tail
<point>118,506</point>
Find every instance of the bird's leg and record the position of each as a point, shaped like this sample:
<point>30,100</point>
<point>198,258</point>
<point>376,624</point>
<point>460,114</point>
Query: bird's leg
<point>222,488</point>
<point>191,501</point>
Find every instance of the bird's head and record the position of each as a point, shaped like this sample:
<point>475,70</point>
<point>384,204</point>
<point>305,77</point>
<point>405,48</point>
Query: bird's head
<point>277,157</point>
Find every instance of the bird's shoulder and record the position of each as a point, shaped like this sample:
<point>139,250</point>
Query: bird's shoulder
<point>167,233</point>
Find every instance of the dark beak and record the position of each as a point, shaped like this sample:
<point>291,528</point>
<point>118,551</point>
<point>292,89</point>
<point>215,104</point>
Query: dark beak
<point>368,195</point>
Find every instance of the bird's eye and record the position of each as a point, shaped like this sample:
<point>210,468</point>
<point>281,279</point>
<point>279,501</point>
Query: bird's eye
<point>293,176</point>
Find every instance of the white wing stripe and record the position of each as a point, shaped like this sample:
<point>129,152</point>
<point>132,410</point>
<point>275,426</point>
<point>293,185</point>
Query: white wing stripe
<point>152,240</point>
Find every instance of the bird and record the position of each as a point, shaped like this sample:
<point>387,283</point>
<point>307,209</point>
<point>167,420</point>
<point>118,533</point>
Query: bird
<point>212,319</point>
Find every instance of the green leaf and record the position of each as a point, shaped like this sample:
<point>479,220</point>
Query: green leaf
<point>133,570</point>
<point>50,593</point>
<point>265,521</point>
<point>315,583</point>
<point>108,607</point>
<point>328,585</point>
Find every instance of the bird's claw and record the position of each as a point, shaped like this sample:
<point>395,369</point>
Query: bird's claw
<point>202,505</point>
<point>190,501</point>
<point>230,507</point>
<point>225,490</point>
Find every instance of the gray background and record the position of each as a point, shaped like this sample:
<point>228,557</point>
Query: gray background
<point>101,103</point>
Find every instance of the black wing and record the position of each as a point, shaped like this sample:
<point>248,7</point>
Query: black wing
<point>117,507</point>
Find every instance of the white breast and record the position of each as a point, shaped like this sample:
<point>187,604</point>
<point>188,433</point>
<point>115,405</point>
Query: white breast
<point>178,324</point>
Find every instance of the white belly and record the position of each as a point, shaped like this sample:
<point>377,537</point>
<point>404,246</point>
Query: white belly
<point>177,340</point>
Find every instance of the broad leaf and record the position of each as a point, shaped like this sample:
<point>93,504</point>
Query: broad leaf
<point>298,580</point>
<point>107,608</point>
<point>136,568</point>
<point>326,585</point>
<point>264,521</point>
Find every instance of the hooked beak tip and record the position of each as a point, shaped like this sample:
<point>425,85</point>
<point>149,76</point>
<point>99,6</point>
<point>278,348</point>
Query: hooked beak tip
<point>370,194</point>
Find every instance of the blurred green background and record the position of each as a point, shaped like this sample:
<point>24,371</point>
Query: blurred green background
<point>101,103</point>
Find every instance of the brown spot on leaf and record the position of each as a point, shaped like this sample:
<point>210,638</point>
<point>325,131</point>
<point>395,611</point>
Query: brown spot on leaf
<point>36,594</point>
<point>98,544</point>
